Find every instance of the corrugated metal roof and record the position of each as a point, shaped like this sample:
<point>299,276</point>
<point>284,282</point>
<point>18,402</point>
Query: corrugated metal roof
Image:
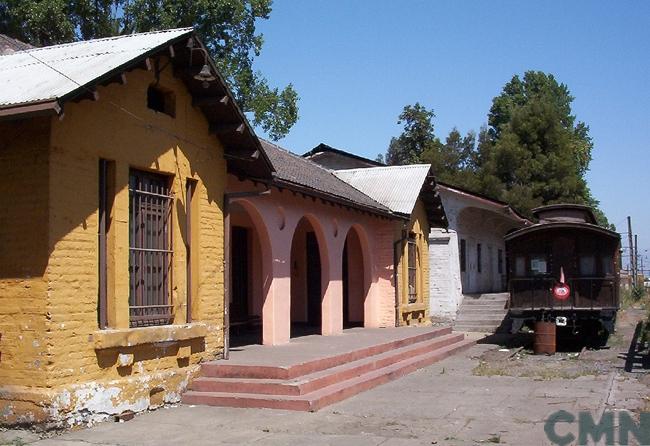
<point>396,187</point>
<point>294,169</point>
<point>25,79</point>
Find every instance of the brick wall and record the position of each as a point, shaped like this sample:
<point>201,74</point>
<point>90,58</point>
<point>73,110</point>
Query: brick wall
<point>84,372</point>
<point>445,288</point>
<point>23,257</point>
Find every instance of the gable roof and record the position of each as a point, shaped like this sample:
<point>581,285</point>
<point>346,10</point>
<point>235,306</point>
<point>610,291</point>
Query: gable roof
<point>59,71</point>
<point>295,172</point>
<point>9,45</point>
<point>41,81</point>
<point>398,188</point>
<point>492,202</point>
<point>332,158</point>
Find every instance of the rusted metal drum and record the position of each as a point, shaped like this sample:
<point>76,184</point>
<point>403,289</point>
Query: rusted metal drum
<point>544,338</point>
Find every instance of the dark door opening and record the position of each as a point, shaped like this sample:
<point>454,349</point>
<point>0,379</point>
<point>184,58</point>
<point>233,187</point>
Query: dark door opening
<point>239,268</point>
<point>355,287</point>
<point>313,281</point>
<point>346,288</point>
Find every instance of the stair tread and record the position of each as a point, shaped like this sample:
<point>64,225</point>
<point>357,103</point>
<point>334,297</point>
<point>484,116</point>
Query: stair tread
<point>333,388</point>
<point>338,368</point>
<point>321,363</point>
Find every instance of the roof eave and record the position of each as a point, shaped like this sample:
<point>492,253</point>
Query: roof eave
<point>55,106</point>
<point>278,182</point>
<point>50,107</point>
<point>433,202</point>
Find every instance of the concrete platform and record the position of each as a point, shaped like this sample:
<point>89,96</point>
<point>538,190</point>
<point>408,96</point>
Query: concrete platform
<point>305,348</point>
<point>314,371</point>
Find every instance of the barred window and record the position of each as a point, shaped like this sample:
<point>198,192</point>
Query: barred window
<point>150,253</point>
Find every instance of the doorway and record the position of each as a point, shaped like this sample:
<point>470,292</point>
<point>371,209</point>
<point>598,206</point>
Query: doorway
<point>355,287</point>
<point>306,281</point>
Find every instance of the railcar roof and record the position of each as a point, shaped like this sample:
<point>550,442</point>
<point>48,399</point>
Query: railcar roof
<point>540,227</point>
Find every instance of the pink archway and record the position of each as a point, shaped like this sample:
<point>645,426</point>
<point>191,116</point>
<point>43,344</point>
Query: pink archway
<point>310,274</point>
<point>357,278</point>
<point>251,269</point>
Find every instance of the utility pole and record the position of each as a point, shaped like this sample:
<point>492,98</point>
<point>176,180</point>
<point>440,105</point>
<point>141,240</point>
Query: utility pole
<point>631,245</point>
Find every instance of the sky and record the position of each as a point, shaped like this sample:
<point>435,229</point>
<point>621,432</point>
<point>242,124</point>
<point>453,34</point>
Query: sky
<point>356,64</point>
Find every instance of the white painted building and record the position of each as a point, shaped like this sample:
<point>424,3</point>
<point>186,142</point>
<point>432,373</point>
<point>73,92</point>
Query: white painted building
<point>469,257</point>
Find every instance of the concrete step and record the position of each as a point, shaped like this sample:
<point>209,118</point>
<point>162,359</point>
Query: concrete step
<point>330,394</point>
<point>482,313</point>
<point>475,304</point>
<point>480,327</point>
<point>221,369</point>
<point>487,297</point>
<point>474,310</point>
<point>314,381</point>
<point>480,317</point>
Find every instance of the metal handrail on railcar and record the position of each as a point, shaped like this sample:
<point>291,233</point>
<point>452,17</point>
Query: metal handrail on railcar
<point>538,300</point>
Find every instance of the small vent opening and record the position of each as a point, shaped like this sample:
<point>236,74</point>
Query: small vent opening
<point>161,100</point>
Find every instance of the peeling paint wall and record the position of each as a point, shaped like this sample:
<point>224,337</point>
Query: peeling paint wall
<point>53,369</point>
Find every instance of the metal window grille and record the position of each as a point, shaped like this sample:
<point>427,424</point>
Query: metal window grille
<point>412,269</point>
<point>150,253</point>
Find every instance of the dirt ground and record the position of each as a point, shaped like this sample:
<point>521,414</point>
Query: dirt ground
<point>516,357</point>
<point>485,395</point>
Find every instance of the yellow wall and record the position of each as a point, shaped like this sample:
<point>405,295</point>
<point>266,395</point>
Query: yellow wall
<point>418,312</point>
<point>52,351</point>
<point>23,253</point>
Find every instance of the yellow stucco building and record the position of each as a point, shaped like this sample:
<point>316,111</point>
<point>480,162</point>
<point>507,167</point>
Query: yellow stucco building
<point>115,155</point>
<point>111,223</point>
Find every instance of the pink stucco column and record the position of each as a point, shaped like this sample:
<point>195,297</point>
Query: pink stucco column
<point>276,310</point>
<point>332,308</point>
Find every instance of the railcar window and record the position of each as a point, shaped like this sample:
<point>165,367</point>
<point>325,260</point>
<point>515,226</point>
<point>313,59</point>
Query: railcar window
<point>587,265</point>
<point>520,266</point>
<point>538,265</point>
<point>608,265</point>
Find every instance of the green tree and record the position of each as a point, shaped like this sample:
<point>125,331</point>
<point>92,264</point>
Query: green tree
<point>227,28</point>
<point>416,137</point>
<point>537,154</point>
<point>455,161</point>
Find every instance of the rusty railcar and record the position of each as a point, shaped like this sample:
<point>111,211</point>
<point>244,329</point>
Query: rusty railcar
<point>564,269</point>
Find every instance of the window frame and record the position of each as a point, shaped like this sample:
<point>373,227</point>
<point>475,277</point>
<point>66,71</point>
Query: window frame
<point>151,203</point>
<point>412,268</point>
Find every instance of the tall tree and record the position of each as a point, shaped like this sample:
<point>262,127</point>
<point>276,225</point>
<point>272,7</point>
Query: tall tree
<point>227,27</point>
<point>538,154</point>
<point>416,137</point>
<point>455,161</point>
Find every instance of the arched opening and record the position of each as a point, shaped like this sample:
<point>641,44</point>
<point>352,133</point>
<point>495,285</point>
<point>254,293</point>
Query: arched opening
<point>307,273</point>
<point>249,271</point>
<point>356,283</point>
